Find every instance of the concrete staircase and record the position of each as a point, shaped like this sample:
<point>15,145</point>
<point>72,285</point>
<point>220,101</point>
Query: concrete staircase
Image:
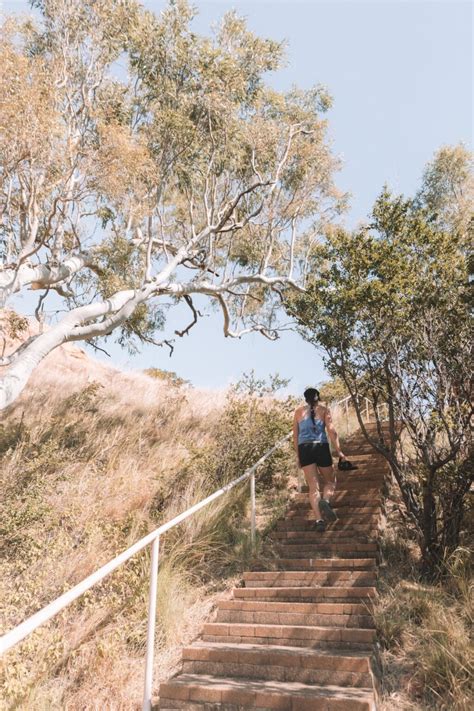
<point>300,637</point>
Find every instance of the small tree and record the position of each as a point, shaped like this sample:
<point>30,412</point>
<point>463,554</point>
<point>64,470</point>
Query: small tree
<point>390,313</point>
<point>332,390</point>
<point>123,193</point>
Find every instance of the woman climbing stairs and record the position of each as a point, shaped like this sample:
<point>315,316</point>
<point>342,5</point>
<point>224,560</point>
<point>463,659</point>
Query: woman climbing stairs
<point>302,637</point>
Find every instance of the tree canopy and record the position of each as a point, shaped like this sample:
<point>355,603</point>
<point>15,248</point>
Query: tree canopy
<point>142,164</point>
<point>390,305</point>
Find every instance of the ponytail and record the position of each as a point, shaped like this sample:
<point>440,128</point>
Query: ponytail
<point>311,395</point>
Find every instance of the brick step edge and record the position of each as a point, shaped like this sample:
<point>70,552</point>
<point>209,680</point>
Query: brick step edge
<point>297,563</point>
<point>337,595</point>
<point>352,621</point>
<point>290,538</point>
<point>322,608</point>
<point>326,564</point>
<point>329,579</point>
<point>286,655</point>
<point>320,578</point>
<point>286,696</point>
<point>321,553</point>
<point>336,546</point>
<point>309,558</point>
<point>359,635</point>
<point>274,671</point>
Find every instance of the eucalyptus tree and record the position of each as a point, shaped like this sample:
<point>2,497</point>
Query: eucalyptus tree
<point>142,164</point>
<point>390,309</point>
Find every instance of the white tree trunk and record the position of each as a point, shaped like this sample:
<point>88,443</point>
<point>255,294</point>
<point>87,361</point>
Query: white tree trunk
<point>26,359</point>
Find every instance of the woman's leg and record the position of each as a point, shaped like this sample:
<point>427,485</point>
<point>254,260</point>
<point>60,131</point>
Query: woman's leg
<point>329,479</point>
<point>310,473</point>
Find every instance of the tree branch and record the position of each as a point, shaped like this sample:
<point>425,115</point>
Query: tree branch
<point>196,313</point>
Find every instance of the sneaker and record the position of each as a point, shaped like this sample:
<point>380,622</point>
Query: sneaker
<point>327,510</point>
<point>320,525</point>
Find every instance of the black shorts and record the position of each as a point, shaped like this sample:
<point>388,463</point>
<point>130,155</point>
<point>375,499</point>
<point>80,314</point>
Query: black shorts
<point>315,453</point>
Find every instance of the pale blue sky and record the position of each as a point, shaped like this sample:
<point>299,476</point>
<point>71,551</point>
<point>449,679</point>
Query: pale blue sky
<point>400,73</point>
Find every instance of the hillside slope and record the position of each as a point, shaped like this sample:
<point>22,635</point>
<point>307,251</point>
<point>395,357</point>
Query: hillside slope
<point>91,459</point>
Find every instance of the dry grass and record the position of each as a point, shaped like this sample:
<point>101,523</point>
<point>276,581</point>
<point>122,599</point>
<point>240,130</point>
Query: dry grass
<point>424,629</point>
<point>91,460</point>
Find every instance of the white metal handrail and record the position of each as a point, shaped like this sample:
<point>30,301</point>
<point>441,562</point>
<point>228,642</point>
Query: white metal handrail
<point>18,633</point>
<point>366,413</point>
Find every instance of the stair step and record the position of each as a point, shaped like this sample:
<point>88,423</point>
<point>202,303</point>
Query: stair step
<point>327,563</point>
<point>313,563</point>
<point>344,499</point>
<point>355,487</point>
<point>343,521</point>
<point>342,551</point>
<point>307,526</point>
<point>188,690</point>
<point>303,578</point>
<point>280,613</point>
<point>280,663</point>
<point>360,449</point>
<point>367,466</point>
<point>330,536</point>
<point>328,548</point>
<point>291,593</point>
<point>367,508</point>
<point>322,608</point>
<point>365,472</point>
<point>297,635</point>
<point>348,514</point>
<point>306,513</point>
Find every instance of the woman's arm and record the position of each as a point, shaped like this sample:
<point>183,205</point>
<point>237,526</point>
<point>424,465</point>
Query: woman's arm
<point>295,438</point>
<point>333,436</point>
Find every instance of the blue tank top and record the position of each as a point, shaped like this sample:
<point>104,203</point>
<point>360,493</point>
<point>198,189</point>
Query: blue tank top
<point>311,432</point>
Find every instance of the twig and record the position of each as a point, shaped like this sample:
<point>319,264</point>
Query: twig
<point>98,348</point>
<point>196,313</point>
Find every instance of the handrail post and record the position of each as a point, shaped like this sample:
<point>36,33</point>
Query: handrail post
<point>252,510</point>
<point>150,637</point>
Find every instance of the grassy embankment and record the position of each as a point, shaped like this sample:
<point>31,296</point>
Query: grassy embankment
<point>91,460</point>
<point>424,628</point>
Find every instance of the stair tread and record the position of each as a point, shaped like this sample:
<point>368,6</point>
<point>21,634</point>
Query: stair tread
<point>297,563</point>
<point>310,574</point>
<point>324,565</point>
<point>330,537</point>
<point>357,546</point>
<point>334,628</point>
<point>272,687</point>
<point>310,607</point>
<point>339,562</point>
<point>297,654</point>
<point>299,592</point>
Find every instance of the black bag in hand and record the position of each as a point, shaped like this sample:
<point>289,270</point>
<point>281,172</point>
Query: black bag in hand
<point>344,465</point>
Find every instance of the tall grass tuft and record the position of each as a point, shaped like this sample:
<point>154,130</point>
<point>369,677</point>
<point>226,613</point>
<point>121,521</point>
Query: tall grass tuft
<point>424,630</point>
